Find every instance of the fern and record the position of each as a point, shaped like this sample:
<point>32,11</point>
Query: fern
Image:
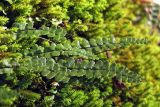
<point>58,57</point>
<point>63,69</point>
<point>35,51</point>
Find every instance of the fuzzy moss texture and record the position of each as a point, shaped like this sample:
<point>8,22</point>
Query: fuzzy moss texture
<point>80,18</point>
<point>144,60</point>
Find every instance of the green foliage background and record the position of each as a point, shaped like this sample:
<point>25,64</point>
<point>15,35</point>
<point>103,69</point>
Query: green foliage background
<point>76,22</point>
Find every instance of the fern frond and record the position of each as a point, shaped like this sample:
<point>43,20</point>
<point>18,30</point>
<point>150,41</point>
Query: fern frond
<point>64,69</point>
<point>57,57</point>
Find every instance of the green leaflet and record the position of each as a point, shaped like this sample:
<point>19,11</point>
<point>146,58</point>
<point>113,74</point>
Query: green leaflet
<point>81,73</point>
<point>99,65</point>
<point>55,53</point>
<point>91,64</point>
<point>93,42</point>
<point>56,67</point>
<point>67,46</point>
<point>99,41</point>
<point>113,67</point>
<point>61,76</point>
<point>97,74</point>
<point>89,74</point>
<point>76,44</point>
<point>83,64</point>
<point>45,72</point>
<point>70,63</point>
<point>53,46</point>
<point>97,50</point>
<point>52,74</point>
<point>59,47</point>
<point>85,43</point>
